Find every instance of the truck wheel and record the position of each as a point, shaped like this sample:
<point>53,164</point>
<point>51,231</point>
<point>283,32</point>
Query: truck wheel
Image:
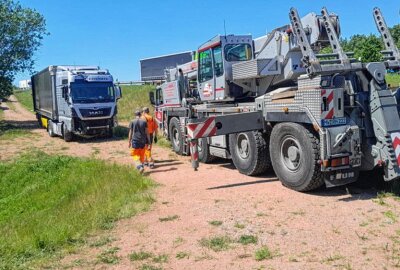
<point>175,134</point>
<point>204,151</point>
<point>295,155</point>
<point>50,129</point>
<point>67,135</point>
<point>250,153</point>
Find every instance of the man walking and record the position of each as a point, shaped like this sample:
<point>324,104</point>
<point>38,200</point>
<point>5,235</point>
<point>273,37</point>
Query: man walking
<point>152,129</point>
<point>138,135</point>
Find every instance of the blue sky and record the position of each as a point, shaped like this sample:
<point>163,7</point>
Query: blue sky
<point>116,34</point>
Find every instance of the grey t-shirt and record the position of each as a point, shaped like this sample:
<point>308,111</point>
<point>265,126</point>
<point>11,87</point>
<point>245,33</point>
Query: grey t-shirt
<point>139,136</point>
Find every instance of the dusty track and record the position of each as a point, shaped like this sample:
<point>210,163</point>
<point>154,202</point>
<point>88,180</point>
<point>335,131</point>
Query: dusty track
<point>341,228</point>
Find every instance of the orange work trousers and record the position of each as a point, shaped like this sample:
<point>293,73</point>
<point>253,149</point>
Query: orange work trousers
<point>138,154</point>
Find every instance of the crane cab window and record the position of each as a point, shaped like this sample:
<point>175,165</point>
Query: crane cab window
<point>218,61</point>
<point>205,66</point>
<point>238,52</point>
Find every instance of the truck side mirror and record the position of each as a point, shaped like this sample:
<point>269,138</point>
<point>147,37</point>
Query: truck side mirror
<point>151,97</point>
<point>118,92</point>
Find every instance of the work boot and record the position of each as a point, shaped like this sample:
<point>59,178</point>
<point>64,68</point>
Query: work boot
<point>140,168</point>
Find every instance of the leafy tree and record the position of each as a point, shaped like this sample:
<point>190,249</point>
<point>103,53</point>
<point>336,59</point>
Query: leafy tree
<point>21,33</point>
<point>365,48</point>
<point>395,31</point>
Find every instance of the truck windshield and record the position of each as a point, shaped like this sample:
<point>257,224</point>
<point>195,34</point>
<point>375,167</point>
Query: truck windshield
<point>92,92</point>
<point>237,52</point>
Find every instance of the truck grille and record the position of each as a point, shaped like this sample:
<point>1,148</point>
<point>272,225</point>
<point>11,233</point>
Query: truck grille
<point>100,112</point>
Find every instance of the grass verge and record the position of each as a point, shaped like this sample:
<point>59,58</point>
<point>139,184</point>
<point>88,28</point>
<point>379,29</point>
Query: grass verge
<point>49,204</point>
<point>393,80</point>
<point>25,98</point>
<point>9,131</point>
<point>133,97</point>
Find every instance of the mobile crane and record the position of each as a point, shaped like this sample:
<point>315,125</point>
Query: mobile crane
<point>276,102</point>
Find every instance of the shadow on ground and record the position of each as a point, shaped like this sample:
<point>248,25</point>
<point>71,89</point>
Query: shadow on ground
<point>368,186</point>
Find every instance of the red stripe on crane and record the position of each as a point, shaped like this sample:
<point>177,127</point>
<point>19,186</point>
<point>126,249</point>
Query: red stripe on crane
<point>209,47</point>
<point>330,114</point>
<point>330,98</point>
<point>396,143</point>
<point>206,125</point>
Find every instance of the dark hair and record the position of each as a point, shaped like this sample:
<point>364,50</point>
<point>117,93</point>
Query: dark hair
<point>180,70</point>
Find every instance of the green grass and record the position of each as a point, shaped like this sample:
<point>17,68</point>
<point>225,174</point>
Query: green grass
<point>50,204</point>
<point>140,256</point>
<point>217,243</point>
<point>109,256</point>
<point>263,253</point>
<point>163,142</point>
<point>10,132</point>
<point>149,267</point>
<point>393,80</point>
<point>162,258</point>
<point>133,97</point>
<point>390,215</point>
<point>25,98</point>
<point>102,241</point>
<point>182,255</point>
<point>248,239</point>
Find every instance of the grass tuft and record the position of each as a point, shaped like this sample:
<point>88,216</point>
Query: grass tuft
<point>248,239</point>
<point>51,203</point>
<point>263,253</point>
<point>215,222</point>
<point>182,255</point>
<point>169,218</point>
<point>163,258</point>
<point>109,256</point>
<point>149,267</point>
<point>140,256</point>
<point>390,215</point>
<point>217,243</point>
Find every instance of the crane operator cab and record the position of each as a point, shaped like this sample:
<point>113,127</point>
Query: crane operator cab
<point>215,60</point>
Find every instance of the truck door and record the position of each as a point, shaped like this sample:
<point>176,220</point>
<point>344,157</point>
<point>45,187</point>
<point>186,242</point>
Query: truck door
<point>211,71</point>
<point>206,75</point>
<point>219,78</point>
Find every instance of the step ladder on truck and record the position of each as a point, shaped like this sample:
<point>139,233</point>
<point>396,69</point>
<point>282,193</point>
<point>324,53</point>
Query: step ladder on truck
<point>276,102</point>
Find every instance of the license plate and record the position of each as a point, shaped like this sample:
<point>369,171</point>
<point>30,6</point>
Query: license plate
<point>334,122</point>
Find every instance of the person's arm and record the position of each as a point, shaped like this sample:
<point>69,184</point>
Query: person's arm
<point>130,136</point>
<point>148,137</point>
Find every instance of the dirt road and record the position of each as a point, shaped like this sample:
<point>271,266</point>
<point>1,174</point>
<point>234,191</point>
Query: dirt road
<point>327,229</point>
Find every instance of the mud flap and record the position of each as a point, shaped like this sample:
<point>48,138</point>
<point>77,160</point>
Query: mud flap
<point>340,177</point>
